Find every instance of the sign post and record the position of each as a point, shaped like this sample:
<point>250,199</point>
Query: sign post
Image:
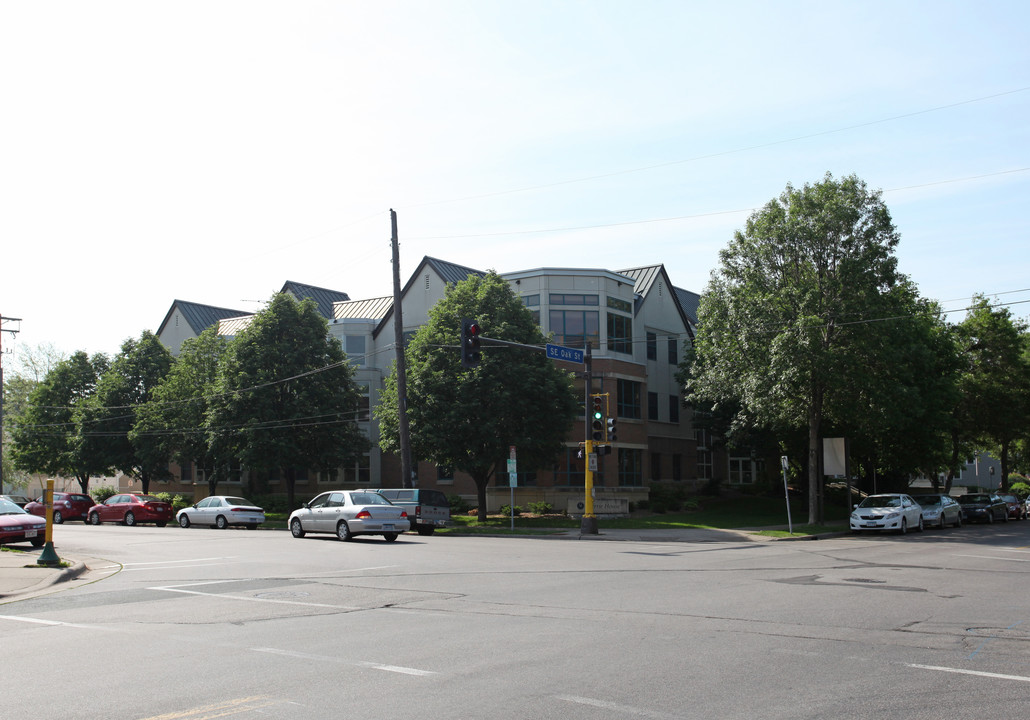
<point>786,494</point>
<point>513,480</point>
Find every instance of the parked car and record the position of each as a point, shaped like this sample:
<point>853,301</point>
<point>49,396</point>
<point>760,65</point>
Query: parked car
<point>348,513</point>
<point>427,509</point>
<point>1017,511</point>
<point>221,511</point>
<point>131,509</point>
<point>67,506</point>
<point>890,511</point>
<point>940,510</point>
<point>19,500</point>
<point>985,507</point>
<point>16,525</point>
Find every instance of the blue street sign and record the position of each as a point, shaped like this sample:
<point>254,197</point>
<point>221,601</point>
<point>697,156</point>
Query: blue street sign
<point>557,352</point>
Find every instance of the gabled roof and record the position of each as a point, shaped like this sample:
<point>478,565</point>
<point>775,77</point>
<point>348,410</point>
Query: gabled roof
<point>645,278</point>
<point>451,273</point>
<point>689,301</point>
<point>232,327</point>
<point>323,298</point>
<point>372,309</point>
<point>199,317</point>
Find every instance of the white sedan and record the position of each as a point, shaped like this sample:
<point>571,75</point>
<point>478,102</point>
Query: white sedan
<point>894,511</point>
<point>348,513</point>
<point>221,511</point>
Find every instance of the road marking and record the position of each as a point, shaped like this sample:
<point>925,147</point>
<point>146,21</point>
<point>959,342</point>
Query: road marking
<point>181,589</point>
<point>616,707</point>
<point>994,557</point>
<point>55,623</point>
<point>978,673</point>
<point>217,710</point>
<point>173,562</point>
<point>326,658</point>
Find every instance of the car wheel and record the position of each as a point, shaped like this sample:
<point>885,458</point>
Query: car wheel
<point>941,523</point>
<point>130,518</point>
<point>390,537</point>
<point>990,518</point>
<point>184,520</point>
<point>221,523</point>
<point>919,528</point>
<point>296,529</point>
<point>904,526</point>
<point>1006,516</point>
<point>425,530</point>
<point>94,518</point>
<point>160,524</point>
<point>342,531</point>
<point>37,542</point>
<point>252,526</point>
<point>58,517</point>
<point>958,520</point>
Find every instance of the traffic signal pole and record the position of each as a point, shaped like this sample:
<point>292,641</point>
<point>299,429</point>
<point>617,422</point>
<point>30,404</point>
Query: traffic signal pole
<point>588,523</point>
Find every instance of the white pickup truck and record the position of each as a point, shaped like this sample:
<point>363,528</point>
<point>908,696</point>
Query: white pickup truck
<point>427,509</point>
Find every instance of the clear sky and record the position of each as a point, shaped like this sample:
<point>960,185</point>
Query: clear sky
<point>210,151</point>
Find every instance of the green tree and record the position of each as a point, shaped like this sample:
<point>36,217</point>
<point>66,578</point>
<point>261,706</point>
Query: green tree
<point>466,418</point>
<point>173,422</point>
<point>109,415</point>
<point>995,380</point>
<point>781,321</point>
<point>286,398</point>
<point>47,436</point>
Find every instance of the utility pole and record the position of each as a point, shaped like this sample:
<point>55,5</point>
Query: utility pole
<point>588,523</point>
<point>407,475</point>
<point>13,332</point>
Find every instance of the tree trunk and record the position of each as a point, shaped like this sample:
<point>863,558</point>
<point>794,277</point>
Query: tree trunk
<point>481,483</point>
<point>815,506</point>
<point>290,476</point>
<point>83,483</point>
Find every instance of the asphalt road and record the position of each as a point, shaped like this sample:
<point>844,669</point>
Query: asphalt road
<point>201,624</point>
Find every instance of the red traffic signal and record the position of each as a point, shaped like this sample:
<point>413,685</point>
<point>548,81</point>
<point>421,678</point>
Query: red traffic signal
<point>470,354</point>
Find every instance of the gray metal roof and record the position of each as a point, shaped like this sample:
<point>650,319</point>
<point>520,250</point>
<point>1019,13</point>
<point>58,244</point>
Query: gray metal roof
<point>645,278</point>
<point>689,301</point>
<point>371,309</point>
<point>200,317</point>
<point>323,298</point>
<point>450,272</point>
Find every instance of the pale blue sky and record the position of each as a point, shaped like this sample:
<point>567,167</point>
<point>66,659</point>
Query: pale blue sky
<point>210,151</point>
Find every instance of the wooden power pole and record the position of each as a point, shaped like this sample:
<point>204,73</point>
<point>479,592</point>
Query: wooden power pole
<point>407,472</point>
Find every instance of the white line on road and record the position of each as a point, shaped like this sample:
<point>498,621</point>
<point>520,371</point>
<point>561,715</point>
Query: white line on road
<point>226,596</point>
<point>616,707</point>
<point>57,623</point>
<point>978,673</point>
<point>176,562</point>
<point>326,658</point>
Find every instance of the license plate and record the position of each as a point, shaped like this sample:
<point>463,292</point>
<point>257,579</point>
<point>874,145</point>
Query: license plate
<point>30,533</point>
<point>872,525</point>
<point>387,526</point>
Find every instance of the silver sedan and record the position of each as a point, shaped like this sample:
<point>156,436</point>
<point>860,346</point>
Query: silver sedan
<point>347,513</point>
<point>221,511</point>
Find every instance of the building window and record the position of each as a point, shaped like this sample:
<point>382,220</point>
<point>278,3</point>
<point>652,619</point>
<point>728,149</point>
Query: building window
<point>571,299</point>
<point>531,300</point>
<point>364,401</point>
<point>674,354</point>
<point>652,346</point>
<point>444,475</point>
<point>329,477</point>
<point>742,471</point>
<point>628,405</point>
<point>652,406</point>
<point>620,305</point>
<point>186,472</point>
<point>354,346</point>
<point>656,466</point>
<point>674,408</point>
<point>620,334</point>
<point>573,328</point>
<point>631,467</point>
<point>677,467</point>
<point>571,469</point>
<point>359,472</point>
<point>704,454</point>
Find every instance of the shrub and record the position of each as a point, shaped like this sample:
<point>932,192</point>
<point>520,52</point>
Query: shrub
<point>102,492</point>
<point>458,504</point>
<point>541,508</point>
<point>178,502</point>
<point>507,510</point>
<point>667,498</point>
<point>1020,488</point>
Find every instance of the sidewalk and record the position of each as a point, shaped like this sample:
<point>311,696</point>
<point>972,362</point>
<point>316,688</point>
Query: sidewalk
<point>18,581</point>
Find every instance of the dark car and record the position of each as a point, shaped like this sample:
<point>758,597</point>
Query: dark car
<point>1017,511</point>
<point>19,500</point>
<point>131,509</point>
<point>984,507</point>
<point>67,506</point>
<point>939,510</point>
<point>16,525</point>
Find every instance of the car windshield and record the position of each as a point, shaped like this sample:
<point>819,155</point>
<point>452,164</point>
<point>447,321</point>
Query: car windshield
<point>9,508</point>
<point>881,501</point>
<point>927,500</point>
<point>149,498</point>
<point>239,501</point>
<point>974,498</point>
<point>1009,498</point>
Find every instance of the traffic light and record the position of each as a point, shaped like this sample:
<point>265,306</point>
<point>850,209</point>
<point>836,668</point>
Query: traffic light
<point>609,430</point>
<point>597,418</point>
<point>469,343</point>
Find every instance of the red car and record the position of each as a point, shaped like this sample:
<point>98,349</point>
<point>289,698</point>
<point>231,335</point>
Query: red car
<point>1017,511</point>
<point>16,525</point>
<point>131,509</point>
<point>67,506</point>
